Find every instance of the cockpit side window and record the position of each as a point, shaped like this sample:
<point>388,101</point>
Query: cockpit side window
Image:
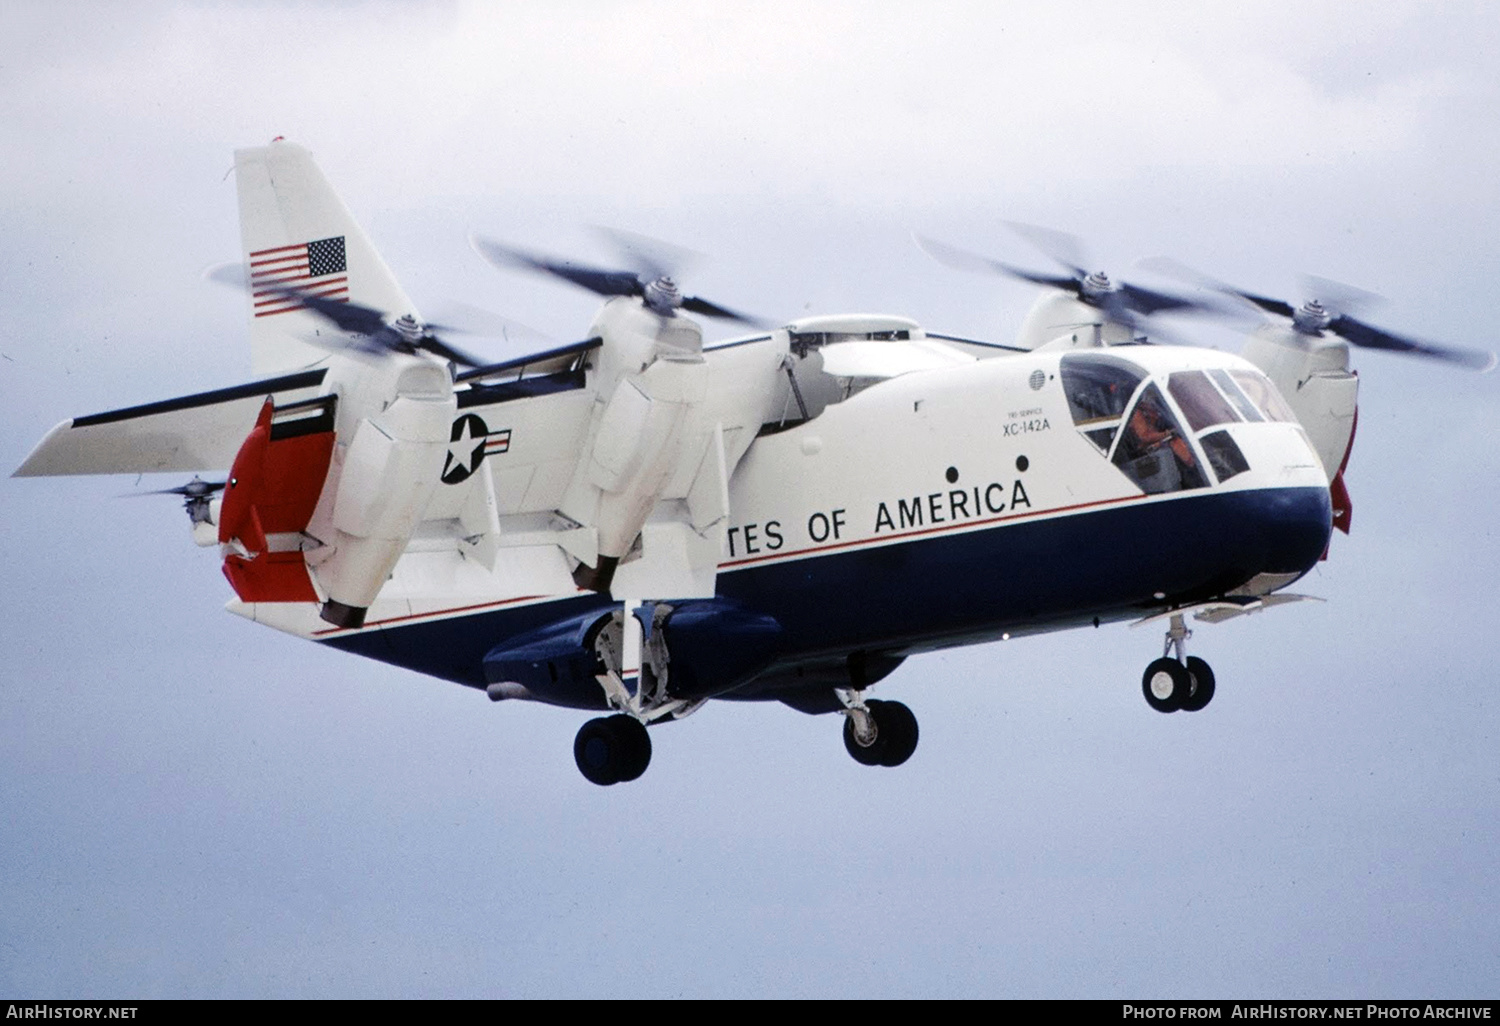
<point>1099,388</point>
<point>1152,449</point>
<point>1199,401</point>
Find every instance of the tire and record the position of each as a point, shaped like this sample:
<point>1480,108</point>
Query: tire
<point>1166,685</point>
<point>596,750</point>
<point>875,753</point>
<point>1202,685</point>
<point>899,728</point>
<point>635,746</point>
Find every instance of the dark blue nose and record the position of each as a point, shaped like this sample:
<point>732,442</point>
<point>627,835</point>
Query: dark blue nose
<point>1287,529</point>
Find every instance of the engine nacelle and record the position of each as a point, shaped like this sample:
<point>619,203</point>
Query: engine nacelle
<point>1057,320</point>
<point>651,376</point>
<point>1312,373</point>
<point>387,476</point>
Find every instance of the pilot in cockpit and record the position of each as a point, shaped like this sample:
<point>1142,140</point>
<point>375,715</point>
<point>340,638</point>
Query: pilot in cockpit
<point>1151,433</point>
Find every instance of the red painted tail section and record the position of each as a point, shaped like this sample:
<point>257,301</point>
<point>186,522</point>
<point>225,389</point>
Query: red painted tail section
<point>273,488</point>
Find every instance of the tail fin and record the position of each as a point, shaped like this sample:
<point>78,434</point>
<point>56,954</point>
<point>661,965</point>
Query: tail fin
<point>295,230</point>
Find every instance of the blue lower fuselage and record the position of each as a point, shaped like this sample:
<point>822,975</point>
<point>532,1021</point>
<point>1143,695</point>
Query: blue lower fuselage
<point>892,597</point>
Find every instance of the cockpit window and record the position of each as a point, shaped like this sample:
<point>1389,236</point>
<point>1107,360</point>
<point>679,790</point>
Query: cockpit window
<point>1238,398</point>
<point>1264,395</point>
<point>1152,449</point>
<point>1199,401</point>
<point>1098,389</point>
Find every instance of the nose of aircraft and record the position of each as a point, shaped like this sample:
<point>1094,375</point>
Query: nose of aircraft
<point>1293,525</point>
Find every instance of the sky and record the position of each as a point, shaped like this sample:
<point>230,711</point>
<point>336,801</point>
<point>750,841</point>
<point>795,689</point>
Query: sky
<point>198,807</point>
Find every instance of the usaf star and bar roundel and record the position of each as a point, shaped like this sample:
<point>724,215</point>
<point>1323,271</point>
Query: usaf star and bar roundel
<point>470,442</point>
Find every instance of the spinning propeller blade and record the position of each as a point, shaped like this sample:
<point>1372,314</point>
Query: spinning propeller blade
<point>197,488</point>
<point>374,334</point>
<point>1328,313</point>
<point>650,283</point>
<point>1120,301</point>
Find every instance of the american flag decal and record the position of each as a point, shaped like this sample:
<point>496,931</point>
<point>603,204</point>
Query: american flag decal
<point>318,268</point>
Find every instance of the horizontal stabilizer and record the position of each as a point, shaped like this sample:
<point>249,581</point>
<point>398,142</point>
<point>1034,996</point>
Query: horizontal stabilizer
<point>189,433</point>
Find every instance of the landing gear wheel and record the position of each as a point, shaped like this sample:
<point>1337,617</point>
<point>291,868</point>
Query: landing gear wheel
<point>899,728</point>
<point>866,755</point>
<point>895,735</point>
<point>611,750</point>
<point>637,742</point>
<point>1202,687</point>
<point>1166,685</point>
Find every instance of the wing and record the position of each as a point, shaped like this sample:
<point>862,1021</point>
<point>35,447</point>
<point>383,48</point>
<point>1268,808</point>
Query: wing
<point>188,433</point>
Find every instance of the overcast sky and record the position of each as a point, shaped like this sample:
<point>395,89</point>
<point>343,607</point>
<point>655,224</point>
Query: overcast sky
<point>195,806</point>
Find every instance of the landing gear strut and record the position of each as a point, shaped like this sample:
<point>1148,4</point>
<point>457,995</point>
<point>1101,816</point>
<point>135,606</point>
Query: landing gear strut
<point>1178,682</point>
<point>878,733</point>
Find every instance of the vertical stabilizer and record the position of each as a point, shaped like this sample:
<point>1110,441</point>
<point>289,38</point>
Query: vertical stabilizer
<point>294,230</point>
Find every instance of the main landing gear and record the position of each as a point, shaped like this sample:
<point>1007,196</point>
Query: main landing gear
<point>1178,682</point>
<point>633,672</point>
<point>612,749</point>
<point>877,733</point>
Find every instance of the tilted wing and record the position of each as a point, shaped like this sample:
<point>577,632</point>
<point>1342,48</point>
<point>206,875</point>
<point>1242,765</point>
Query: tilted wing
<point>189,433</point>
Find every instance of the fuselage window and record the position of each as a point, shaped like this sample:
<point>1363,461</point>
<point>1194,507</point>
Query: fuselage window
<point>1098,390</point>
<point>1153,451</point>
<point>1199,401</point>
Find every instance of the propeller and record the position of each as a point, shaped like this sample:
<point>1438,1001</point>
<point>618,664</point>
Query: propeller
<point>195,496</point>
<point>1331,314</point>
<point>197,488</point>
<point>1120,301</point>
<point>374,334</point>
<point>650,281</point>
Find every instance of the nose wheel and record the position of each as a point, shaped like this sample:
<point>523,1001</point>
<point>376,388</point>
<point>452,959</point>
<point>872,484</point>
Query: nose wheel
<point>880,733</point>
<point>1178,681</point>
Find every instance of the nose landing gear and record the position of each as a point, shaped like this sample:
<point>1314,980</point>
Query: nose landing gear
<point>878,733</point>
<point>1178,682</point>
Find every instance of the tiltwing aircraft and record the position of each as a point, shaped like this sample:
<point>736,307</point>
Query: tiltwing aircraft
<point>635,524</point>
